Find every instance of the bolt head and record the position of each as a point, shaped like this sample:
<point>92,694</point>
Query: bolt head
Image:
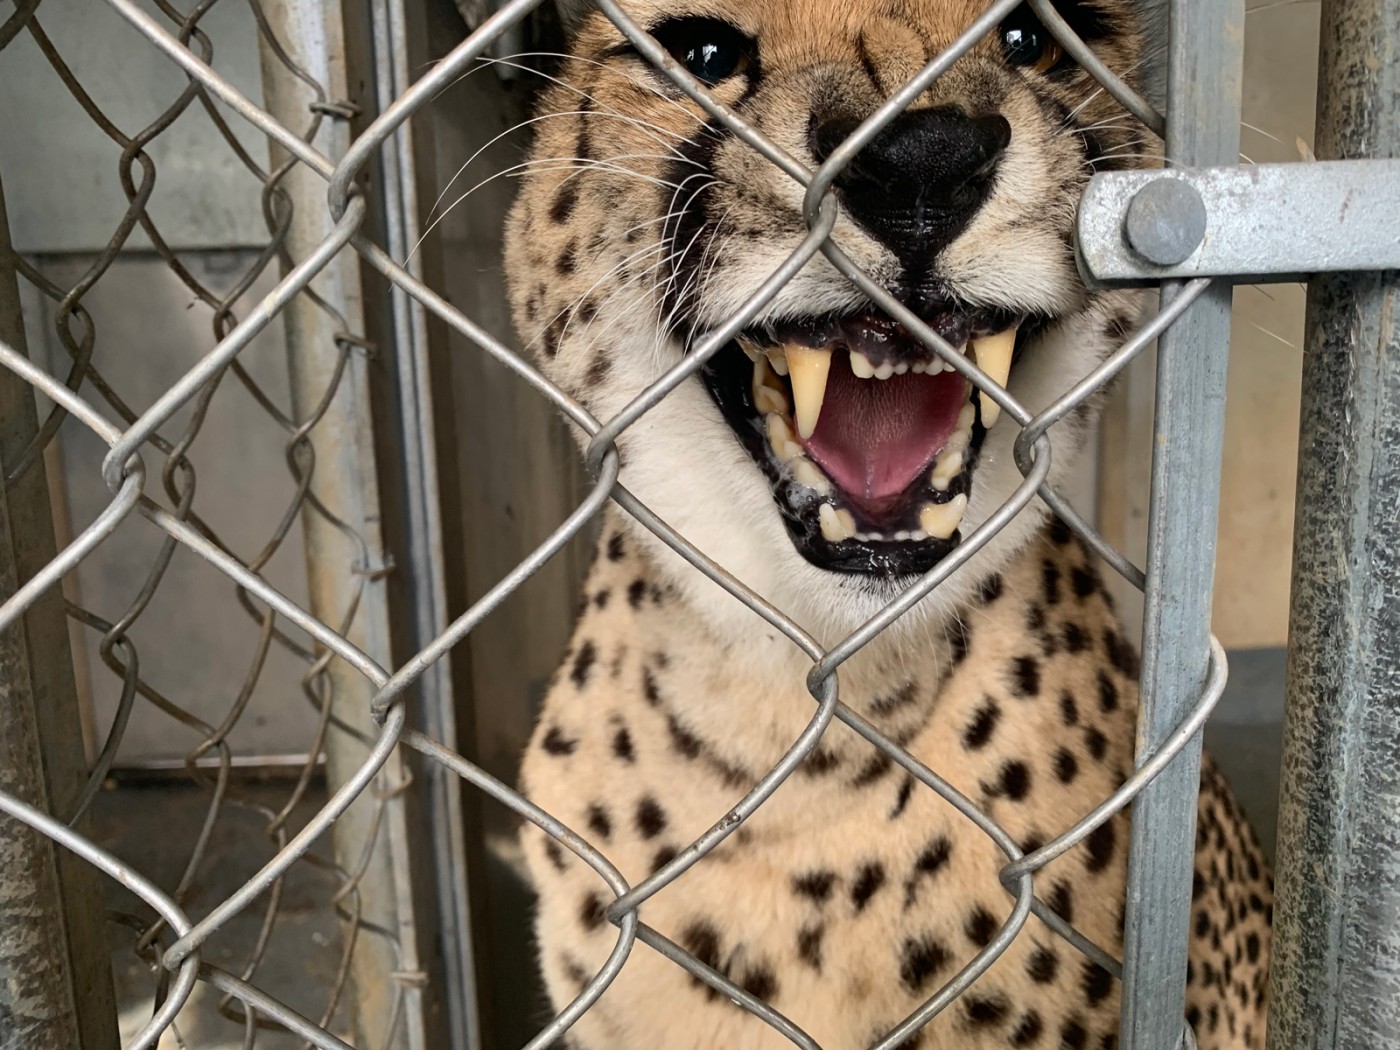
<point>1166,221</point>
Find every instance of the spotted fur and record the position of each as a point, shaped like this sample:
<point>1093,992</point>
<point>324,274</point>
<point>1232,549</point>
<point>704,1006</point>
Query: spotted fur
<point>854,893</point>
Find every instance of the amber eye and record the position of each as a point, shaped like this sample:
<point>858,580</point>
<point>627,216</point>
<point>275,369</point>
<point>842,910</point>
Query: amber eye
<point>1029,44</point>
<point>709,49</point>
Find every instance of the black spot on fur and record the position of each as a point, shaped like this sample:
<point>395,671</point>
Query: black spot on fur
<point>1120,654</point>
<point>1072,1035</point>
<point>556,743</point>
<point>1108,694</point>
<point>814,885</point>
<point>984,1010</point>
<point>601,598</point>
<point>1066,766</point>
<point>928,863</point>
<point>1060,532</point>
<point>584,660</point>
<point>575,971</point>
<point>1101,842</point>
<point>1069,710</point>
<point>663,856</point>
<point>651,818</point>
<point>567,262</point>
<point>649,688</point>
<point>990,589</point>
<point>809,945</point>
<point>1014,781</point>
<point>590,913</point>
<point>901,801</point>
<point>959,639</point>
<point>555,853</point>
<point>636,593</point>
<point>1026,676</point>
<point>1035,618</point>
<point>1050,583</point>
<point>1043,965</point>
<point>1096,742</point>
<point>980,927</point>
<point>599,821</point>
<point>819,761</point>
<point>1074,638</point>
<point>682,739</point>
<point>616,549</point>
<point>1062,902</point>
<point>1027,1030</point>
<point>598,368</point>
<point>622,745</point>
<point>920,960</point>
<point>1096,982</point>
<point>867,882</point>
<point>979,731</point>
<point>562,209</point>
<point>873,770</point>
<point>760,982</point>
<point>1085,582</point>
<point>1252,947</point>
<point>701,940</point>
<point>900,698</point>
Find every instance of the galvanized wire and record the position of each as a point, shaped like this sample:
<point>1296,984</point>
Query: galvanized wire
<point>176,941</point>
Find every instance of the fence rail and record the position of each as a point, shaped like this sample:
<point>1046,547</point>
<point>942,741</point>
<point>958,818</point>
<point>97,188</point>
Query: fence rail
<point>382,706</point>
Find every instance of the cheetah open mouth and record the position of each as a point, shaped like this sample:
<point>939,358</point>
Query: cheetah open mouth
<point>868,438</point>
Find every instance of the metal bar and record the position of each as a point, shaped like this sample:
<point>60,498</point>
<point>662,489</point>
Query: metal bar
<point>55,971</point>
<point>1204,73</point>
<point>346,564</point>
<point>1336,957</point>
<point>1264,222</point>
<point>426,565</point>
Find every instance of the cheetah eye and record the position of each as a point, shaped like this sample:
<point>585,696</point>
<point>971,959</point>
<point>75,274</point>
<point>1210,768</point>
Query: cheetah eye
<point>1029,44</point>
<point>709,49</point>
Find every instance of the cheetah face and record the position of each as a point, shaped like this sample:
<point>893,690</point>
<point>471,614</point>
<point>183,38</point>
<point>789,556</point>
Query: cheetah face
<point>825,456</point>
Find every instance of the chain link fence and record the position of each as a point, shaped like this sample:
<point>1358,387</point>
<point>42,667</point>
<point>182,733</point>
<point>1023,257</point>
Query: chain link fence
<point>382,735</point>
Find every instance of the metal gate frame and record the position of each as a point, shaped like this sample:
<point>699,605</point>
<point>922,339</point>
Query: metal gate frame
<point>1169,223</point>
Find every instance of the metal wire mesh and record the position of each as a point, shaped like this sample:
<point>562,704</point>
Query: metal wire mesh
<point>175,942</point>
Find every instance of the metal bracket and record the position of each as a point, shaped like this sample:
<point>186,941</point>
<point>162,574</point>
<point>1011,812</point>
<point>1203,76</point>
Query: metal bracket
<point>1255,223</point>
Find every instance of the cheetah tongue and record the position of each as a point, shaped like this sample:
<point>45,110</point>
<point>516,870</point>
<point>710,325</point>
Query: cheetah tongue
<point>873,439</point>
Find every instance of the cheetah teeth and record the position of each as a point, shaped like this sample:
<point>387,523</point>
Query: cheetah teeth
<point>941,520</point>
<point>993,355</point>
<point>937,520</point>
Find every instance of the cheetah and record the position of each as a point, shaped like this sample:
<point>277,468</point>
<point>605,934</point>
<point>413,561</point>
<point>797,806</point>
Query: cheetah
<point>827,459</point>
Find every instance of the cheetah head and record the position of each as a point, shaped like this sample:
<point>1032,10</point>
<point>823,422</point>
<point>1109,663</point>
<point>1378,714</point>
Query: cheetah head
<point>825,457</point>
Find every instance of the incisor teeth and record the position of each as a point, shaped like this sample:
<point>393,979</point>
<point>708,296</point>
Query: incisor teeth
<point>808,369</point>
<point>941,520</point>
<point>780,437</point>
<point>884,371</point>
<point>751,349</point>
<point>862,366</point>
<point>777,360</point>
<point>836,525</point>
<point>768,393</point>
<point>993,356</point>
<point>805,472</point>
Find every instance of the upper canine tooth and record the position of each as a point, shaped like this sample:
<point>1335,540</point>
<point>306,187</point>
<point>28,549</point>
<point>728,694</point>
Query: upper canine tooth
<point>808,369</point>
<point>993,354</point>
<point>941,520</point>
<point>862,366</point>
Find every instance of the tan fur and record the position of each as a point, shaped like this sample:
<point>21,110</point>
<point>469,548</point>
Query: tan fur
<point>852,894</point>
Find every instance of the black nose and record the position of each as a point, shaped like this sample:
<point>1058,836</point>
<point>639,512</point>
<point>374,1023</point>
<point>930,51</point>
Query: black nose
<point>918,184</point>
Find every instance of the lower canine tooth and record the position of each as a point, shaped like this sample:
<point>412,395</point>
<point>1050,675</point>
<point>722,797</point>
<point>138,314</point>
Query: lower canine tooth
<point>941,520</point>
<point>836,525</point>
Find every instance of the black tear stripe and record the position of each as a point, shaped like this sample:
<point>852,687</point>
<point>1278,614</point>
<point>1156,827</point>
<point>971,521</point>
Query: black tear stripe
<point>684,233</point>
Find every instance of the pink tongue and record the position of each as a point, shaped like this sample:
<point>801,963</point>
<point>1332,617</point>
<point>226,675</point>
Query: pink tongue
<point>874,437</point>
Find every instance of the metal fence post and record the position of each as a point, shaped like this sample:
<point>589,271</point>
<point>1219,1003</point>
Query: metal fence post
<point>1205,68</point>
<point>346,560</point>
<point>55,977</point>
<point>1336,959</point>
